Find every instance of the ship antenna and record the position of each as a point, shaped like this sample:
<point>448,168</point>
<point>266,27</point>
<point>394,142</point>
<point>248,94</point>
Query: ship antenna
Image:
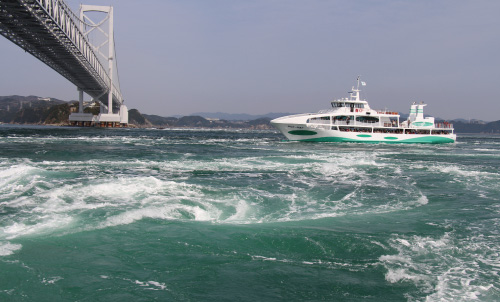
<point>357,89</point>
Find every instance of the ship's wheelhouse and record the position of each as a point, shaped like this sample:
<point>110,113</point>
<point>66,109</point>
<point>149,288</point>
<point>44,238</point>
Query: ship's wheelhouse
<point>342,104</point>
<point>349,106</point>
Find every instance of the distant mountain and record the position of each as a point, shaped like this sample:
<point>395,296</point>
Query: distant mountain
<point>136,118</point>
<point>33,110</point>
<point>16,102</point>
<point>195,121</point>
<point>239,116</point>
<point>160,120</point>
<point>470,121</point>
<point>476,127</point>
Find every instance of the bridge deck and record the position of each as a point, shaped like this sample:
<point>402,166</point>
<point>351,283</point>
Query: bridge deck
<point>26,23</point>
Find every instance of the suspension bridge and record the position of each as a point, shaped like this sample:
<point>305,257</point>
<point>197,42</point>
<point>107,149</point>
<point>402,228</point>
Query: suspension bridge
<point>79,47</point>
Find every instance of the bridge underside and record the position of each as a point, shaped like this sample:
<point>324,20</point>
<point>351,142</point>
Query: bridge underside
<point>24,23</point>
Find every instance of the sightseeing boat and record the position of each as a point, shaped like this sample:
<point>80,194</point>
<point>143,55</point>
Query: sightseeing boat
<point>352,120</point>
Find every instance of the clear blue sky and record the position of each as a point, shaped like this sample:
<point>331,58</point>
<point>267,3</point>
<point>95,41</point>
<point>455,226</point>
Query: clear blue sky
<point>259,56</point>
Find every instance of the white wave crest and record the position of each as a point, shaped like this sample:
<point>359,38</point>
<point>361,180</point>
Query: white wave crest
<point>445,268</point>
<point>7,248</point>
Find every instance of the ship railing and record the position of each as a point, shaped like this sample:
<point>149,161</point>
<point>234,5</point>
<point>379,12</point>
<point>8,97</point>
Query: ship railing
<point>444,125</point>
<point>387,112</point>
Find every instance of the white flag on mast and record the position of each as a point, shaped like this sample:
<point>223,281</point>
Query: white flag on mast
<point>363,83</point>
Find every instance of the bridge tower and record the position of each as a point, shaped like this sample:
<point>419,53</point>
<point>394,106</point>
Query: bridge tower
<point>100,35</point>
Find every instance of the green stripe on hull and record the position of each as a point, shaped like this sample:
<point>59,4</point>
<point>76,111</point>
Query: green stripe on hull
<point>417,140</point>
<point>302,132</point>
<point>429,140</point>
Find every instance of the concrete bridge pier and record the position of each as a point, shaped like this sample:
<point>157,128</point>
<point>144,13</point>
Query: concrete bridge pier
<point>81,119</point>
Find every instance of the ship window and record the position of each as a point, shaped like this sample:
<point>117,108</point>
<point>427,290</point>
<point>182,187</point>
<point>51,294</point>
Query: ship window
<point>319,119</point>
<point>324,118</point>
<point>340,117</point>
<point>367,119</point>
<point>343,104</point>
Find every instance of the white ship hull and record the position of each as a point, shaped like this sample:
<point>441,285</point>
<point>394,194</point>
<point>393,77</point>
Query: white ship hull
<point>303,131</point>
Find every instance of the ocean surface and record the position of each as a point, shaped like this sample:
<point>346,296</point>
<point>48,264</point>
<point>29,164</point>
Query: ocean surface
<point>225,215</point>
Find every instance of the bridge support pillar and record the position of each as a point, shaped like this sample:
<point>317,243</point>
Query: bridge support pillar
<point>80,118</point>
<point>80,100</point>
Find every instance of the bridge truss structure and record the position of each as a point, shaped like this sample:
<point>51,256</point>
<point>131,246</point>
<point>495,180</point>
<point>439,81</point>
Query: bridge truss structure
<point>51,32</point>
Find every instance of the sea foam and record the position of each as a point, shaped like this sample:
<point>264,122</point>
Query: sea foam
<point>445,267</point>
<point>7,248</point>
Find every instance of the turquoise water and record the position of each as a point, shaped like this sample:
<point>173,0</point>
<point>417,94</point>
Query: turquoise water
<point>192,215</point>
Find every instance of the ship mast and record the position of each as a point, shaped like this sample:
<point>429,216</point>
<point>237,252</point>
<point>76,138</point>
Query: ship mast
<point>356,90</point>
